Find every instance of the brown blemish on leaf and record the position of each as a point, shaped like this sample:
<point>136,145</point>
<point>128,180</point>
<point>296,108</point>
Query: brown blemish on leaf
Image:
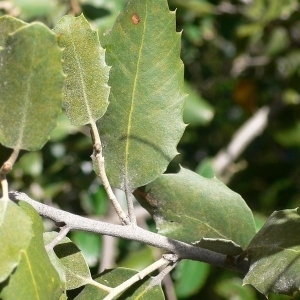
<point>135,19</point>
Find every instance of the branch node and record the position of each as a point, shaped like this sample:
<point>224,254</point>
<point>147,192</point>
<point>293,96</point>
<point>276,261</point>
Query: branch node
<point>6,167</point>
<point>62,234</point>
<point>171,257</point>
<point>97,148</point>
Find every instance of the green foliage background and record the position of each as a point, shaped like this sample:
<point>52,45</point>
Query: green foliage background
<point>238,57</point>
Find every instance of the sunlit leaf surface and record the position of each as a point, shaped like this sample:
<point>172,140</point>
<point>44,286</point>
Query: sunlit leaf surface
<point>143,123</point>
<point>85,91</point>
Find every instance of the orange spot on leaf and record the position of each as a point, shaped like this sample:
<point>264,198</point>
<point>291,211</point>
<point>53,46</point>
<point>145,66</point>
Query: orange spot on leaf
<point>135,19</point>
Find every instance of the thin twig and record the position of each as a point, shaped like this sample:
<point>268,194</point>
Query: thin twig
<point>62,234</point>
<point>98,157</point>
<point>4,186</point>
<point>241,139</point>
<point>7,165</point>
<point>139,276</point>
<point>99,285</point>
<point>109,245</point>
<point>130,206</point>
<point>157,280</point>
<point>135,233</point>
<point>167,281</point>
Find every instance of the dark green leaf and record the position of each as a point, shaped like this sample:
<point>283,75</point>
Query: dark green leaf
<point>197,210</point>
<point>85,91</point>
<point>289,137</point>
<point>143,123</point>
<point>274,254</point>
<point>31,83</point>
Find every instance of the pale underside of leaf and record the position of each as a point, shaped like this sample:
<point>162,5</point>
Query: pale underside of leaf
<point>143,123</point>
<point>85,91</point>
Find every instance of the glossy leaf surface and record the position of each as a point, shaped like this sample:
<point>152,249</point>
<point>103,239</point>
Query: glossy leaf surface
<point>113,278</point>
<point>143,123</point>
<point>198,210</point>
<point>274,254</point>
<point>85,91</point>
<point>14,238</point>
<point>35,278</point>
<point>31,83</point>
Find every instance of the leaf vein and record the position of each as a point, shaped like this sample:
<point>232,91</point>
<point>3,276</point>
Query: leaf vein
<point>81,75</point>
<point>133,97</point>
<point>207,225</point>
<point>31,275</point>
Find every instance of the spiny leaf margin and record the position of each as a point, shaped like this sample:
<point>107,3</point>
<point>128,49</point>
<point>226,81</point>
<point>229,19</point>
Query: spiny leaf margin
<point>85,90</point>
<point>143,123</point>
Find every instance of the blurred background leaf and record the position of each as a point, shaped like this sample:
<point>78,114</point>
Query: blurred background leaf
<point>239,55</point>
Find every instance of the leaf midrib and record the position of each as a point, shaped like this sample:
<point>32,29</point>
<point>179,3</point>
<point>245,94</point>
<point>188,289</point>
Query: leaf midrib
<point>31,275</point>
<point>206,224</point>
<point>81,73</point>
<point>133,99</point>
<point>26,105</point>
